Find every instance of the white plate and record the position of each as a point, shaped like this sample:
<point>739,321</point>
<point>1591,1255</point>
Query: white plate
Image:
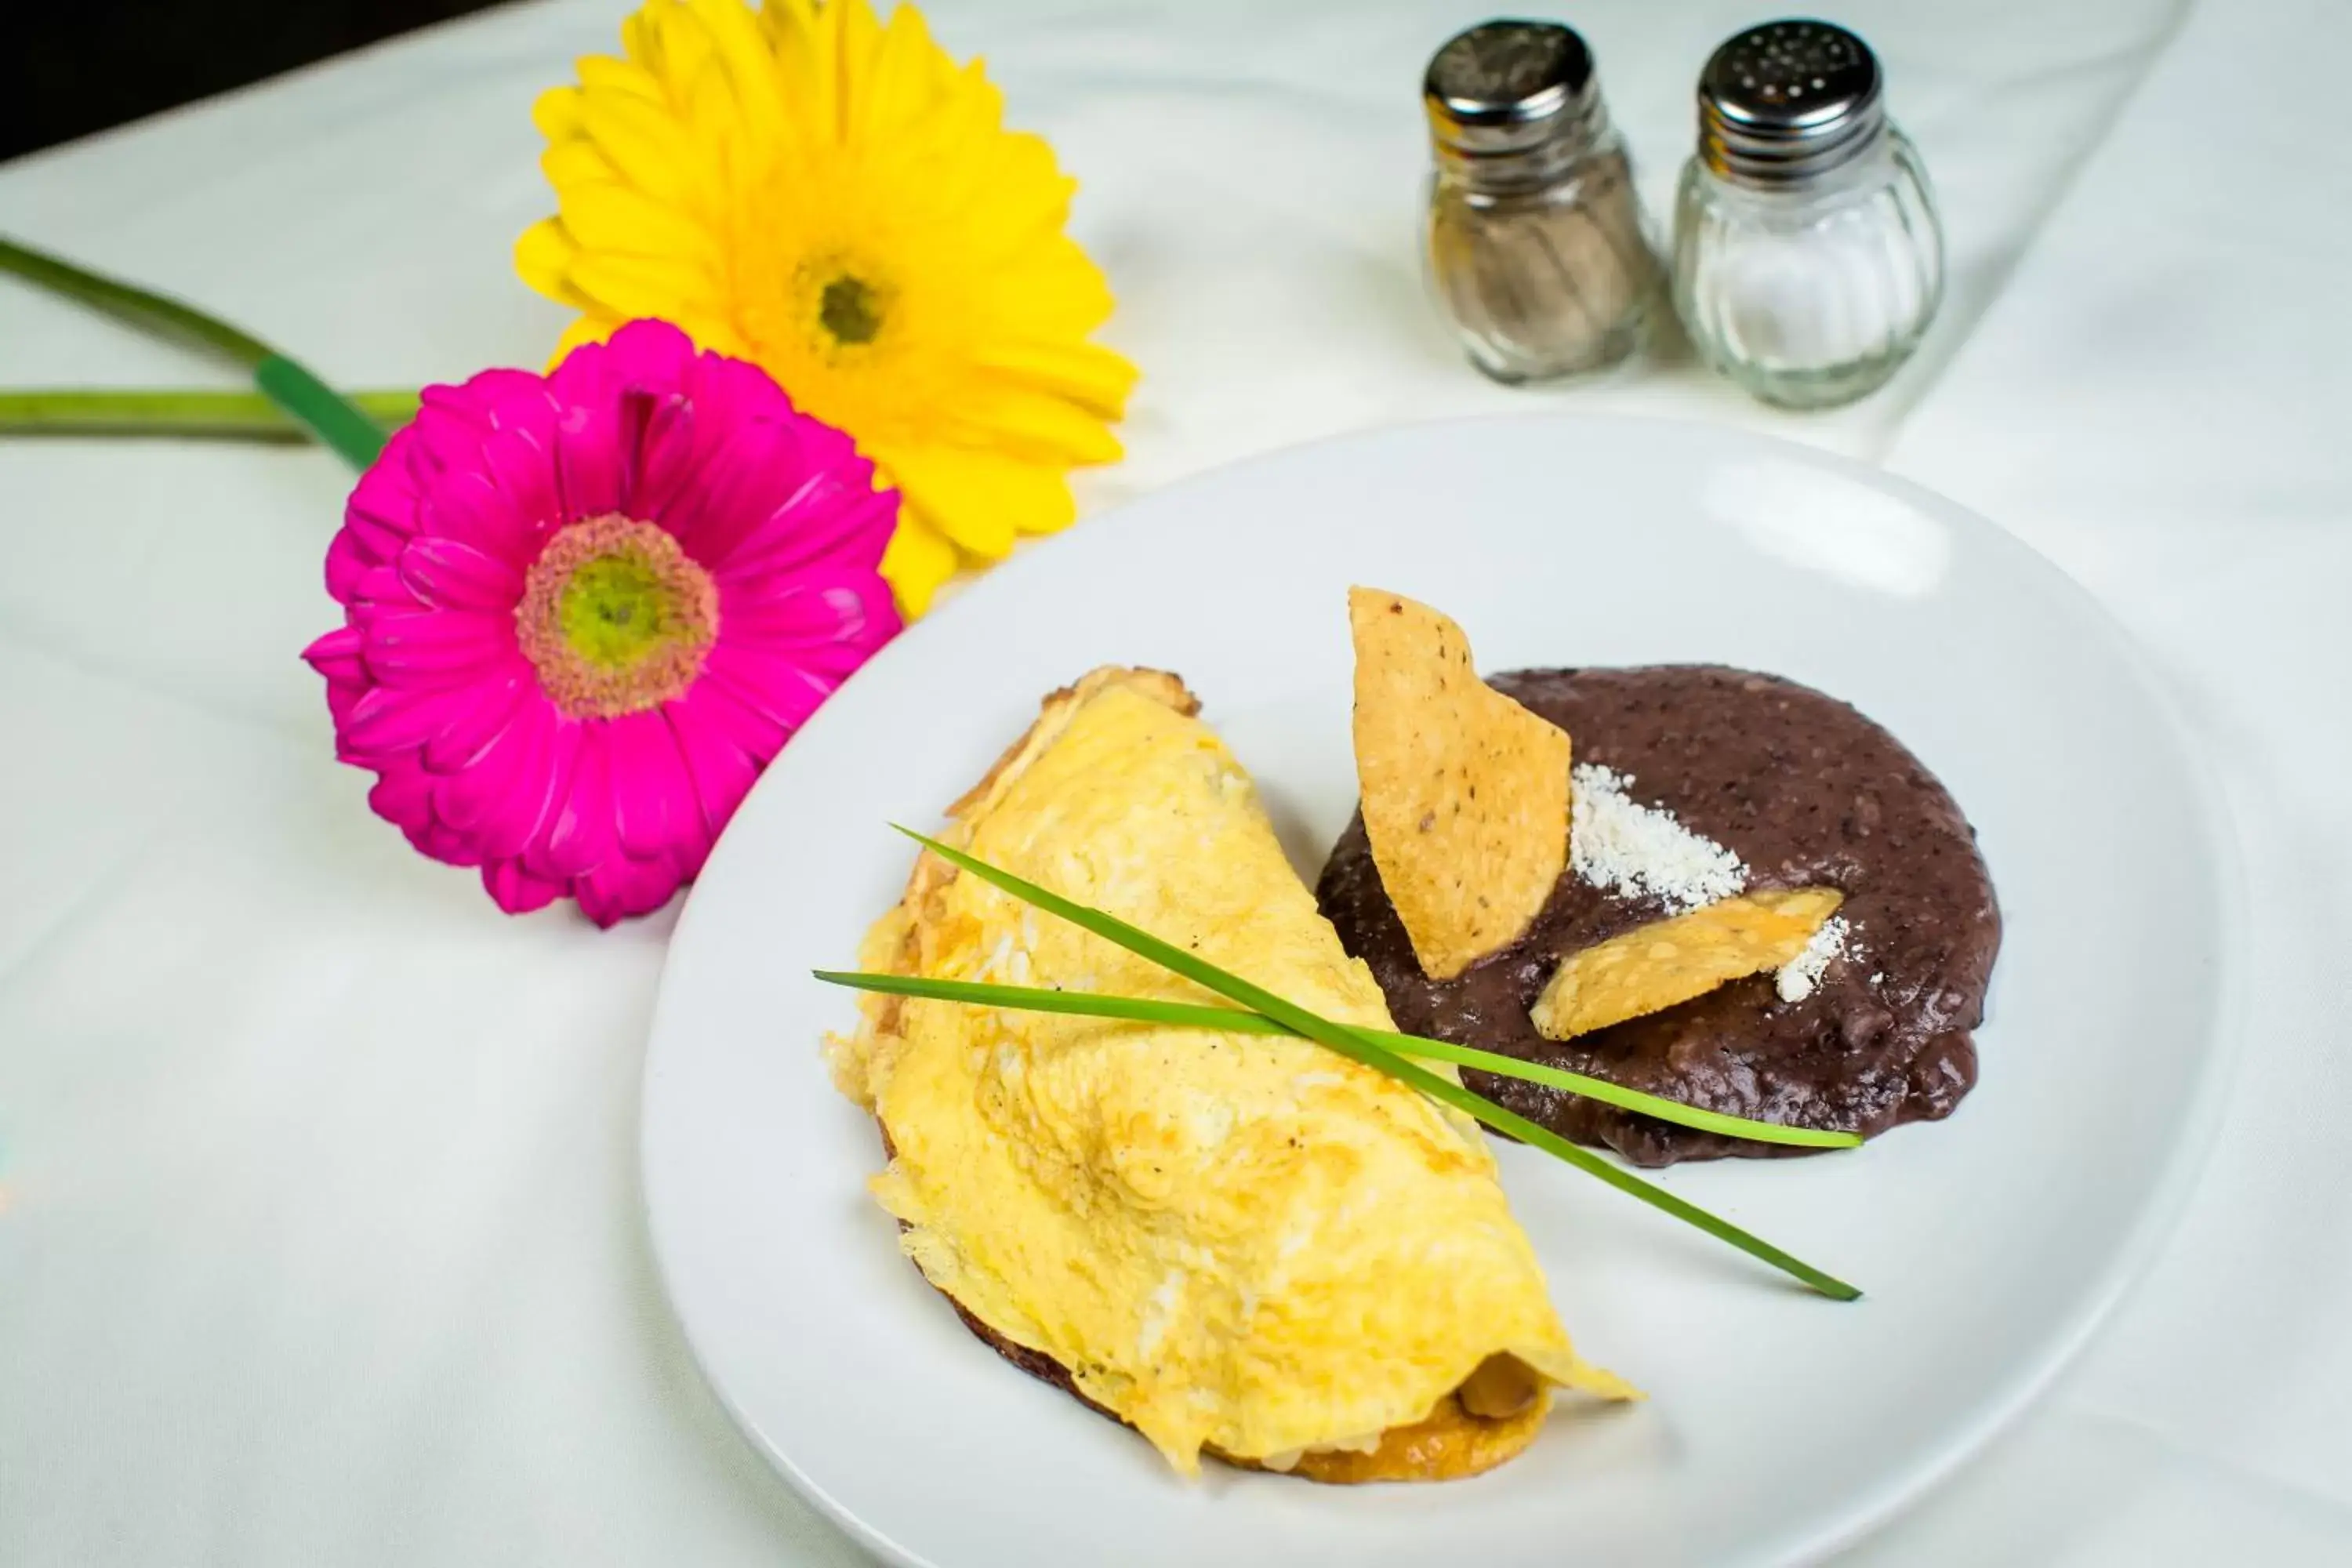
<point>1780,1424</point>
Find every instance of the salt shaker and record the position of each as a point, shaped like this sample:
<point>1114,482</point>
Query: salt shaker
<point>1808,257</point>
<point>1536,247</point>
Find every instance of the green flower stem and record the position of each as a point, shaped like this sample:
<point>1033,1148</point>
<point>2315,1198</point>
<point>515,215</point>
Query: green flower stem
<point>176,412</point>
<point>307,400</point>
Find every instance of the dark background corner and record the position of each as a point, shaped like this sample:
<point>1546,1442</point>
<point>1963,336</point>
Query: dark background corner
<point>69,68</point>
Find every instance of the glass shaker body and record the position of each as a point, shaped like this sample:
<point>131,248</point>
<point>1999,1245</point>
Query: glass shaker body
<point>1533,243</point>
<point>1543,280</point>
<point>1808,257</point>
<point>1813,295</point>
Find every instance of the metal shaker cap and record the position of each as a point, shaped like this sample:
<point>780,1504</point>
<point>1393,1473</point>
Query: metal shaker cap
<point>1508,86</point>
<point>1788,100</point>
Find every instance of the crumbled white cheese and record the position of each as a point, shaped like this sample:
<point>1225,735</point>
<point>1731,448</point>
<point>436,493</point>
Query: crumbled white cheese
<point>1616,843</point>
<point>1802,972</point>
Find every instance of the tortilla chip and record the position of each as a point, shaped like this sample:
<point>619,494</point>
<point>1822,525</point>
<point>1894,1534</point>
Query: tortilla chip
<point>1655,966</point>
<point>1465,792</point>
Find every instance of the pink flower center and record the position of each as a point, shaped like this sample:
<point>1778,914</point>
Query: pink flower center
<point>615,619</point>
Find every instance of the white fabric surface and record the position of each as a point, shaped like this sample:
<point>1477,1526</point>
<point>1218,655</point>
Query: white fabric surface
<point>318,1223</point>
<point>2156,404</point>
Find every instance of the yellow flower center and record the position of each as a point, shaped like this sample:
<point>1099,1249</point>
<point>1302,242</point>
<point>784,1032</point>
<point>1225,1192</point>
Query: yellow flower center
<point>615,617</point>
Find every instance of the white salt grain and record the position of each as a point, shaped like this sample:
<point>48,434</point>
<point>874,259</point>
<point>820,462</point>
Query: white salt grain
<point>1636,850</point>
<point>1802,972</point>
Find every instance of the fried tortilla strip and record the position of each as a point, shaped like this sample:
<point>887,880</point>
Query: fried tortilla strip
<point>1656,967</point>
<point>1465,793</point>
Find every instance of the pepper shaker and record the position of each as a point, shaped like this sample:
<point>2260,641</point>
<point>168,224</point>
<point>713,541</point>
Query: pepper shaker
<point>1808,257</point>
<point>1536,247</point>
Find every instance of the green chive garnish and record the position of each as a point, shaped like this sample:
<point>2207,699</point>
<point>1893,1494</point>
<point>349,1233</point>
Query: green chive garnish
<point>1189,1015</point>
<point>1363,1048</point>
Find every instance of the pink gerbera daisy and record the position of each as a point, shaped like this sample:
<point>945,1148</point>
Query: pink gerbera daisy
<point>582,611</point>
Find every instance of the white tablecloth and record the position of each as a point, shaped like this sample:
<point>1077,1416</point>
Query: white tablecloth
<point>319,1237</point>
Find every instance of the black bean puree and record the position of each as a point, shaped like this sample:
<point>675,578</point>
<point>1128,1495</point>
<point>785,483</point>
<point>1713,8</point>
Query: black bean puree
<point>1808,793</point>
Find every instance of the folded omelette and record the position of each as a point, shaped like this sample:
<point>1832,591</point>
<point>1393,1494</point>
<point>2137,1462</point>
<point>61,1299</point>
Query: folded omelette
<point>1243,1245</point>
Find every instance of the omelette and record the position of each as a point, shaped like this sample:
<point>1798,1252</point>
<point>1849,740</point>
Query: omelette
<point>1244,1245</point>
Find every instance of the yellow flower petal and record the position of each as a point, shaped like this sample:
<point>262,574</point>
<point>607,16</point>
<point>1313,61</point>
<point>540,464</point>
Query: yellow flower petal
<point>918,559</point>
<point>543,258</point>
<point>902,80</point>
<point>742,52</point>
<point>605,215</point>
<point>556,113</point>
<point>1090,377</point>
<point>576,162</point>
<point>629,286</point>
<point>602,73</point>
<point>644,143</point>
<point>830,195</point>
<point>984,500</point>
<point>1035,425</point>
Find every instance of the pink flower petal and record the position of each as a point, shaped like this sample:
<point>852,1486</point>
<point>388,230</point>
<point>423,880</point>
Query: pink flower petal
<point>438,645</point>
<point>647,352</point>
<point>588,466</point>
<point>809,609</point>
<point>535,790</point>
<point>447,432</point>
<point>444,845</point>
<point>673,450</point>
<point>381,588</point>
<point>834,530</point>
<point>618,889</point>
<point>521,467</point>
<point>582,835</point>
<point>498,400</point>
<point>487,790</point>
<point>777,689</point>
<point>470,509</point>
<point>709,706</point>
<point>347,561</point>
<point>735,391</point>
<point>382,510</point>
<point>515,891</point>
<point>653,797</point>
<point>336,656</point>
<point>451,572</point>
<point>755,472</point>
<point>403,796</point>
<point>480,714</point>
<point>388,721</point>
<point>722,770</point>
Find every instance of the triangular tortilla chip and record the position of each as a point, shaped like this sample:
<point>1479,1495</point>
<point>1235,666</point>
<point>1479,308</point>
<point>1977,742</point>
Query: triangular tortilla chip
<point>1465,792</point>
<point>1670,962</point>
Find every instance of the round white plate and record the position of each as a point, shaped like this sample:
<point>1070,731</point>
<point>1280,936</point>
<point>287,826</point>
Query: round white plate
<point>1780,1424</point>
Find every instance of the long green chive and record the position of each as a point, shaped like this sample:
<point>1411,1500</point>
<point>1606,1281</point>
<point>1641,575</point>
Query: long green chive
<point>1356,1047</point>
<point>306,399</point>
<point>1189,1015</point>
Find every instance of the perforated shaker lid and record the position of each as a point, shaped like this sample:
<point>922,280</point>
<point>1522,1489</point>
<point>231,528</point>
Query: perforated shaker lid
<point>1506,86</point>
<point>1788,100</point>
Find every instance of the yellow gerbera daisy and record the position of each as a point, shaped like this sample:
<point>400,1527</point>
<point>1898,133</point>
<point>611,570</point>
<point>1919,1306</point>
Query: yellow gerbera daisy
<point>831,196</point>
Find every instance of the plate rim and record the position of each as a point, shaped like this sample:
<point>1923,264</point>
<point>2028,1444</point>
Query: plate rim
<point>2159,1212</point>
